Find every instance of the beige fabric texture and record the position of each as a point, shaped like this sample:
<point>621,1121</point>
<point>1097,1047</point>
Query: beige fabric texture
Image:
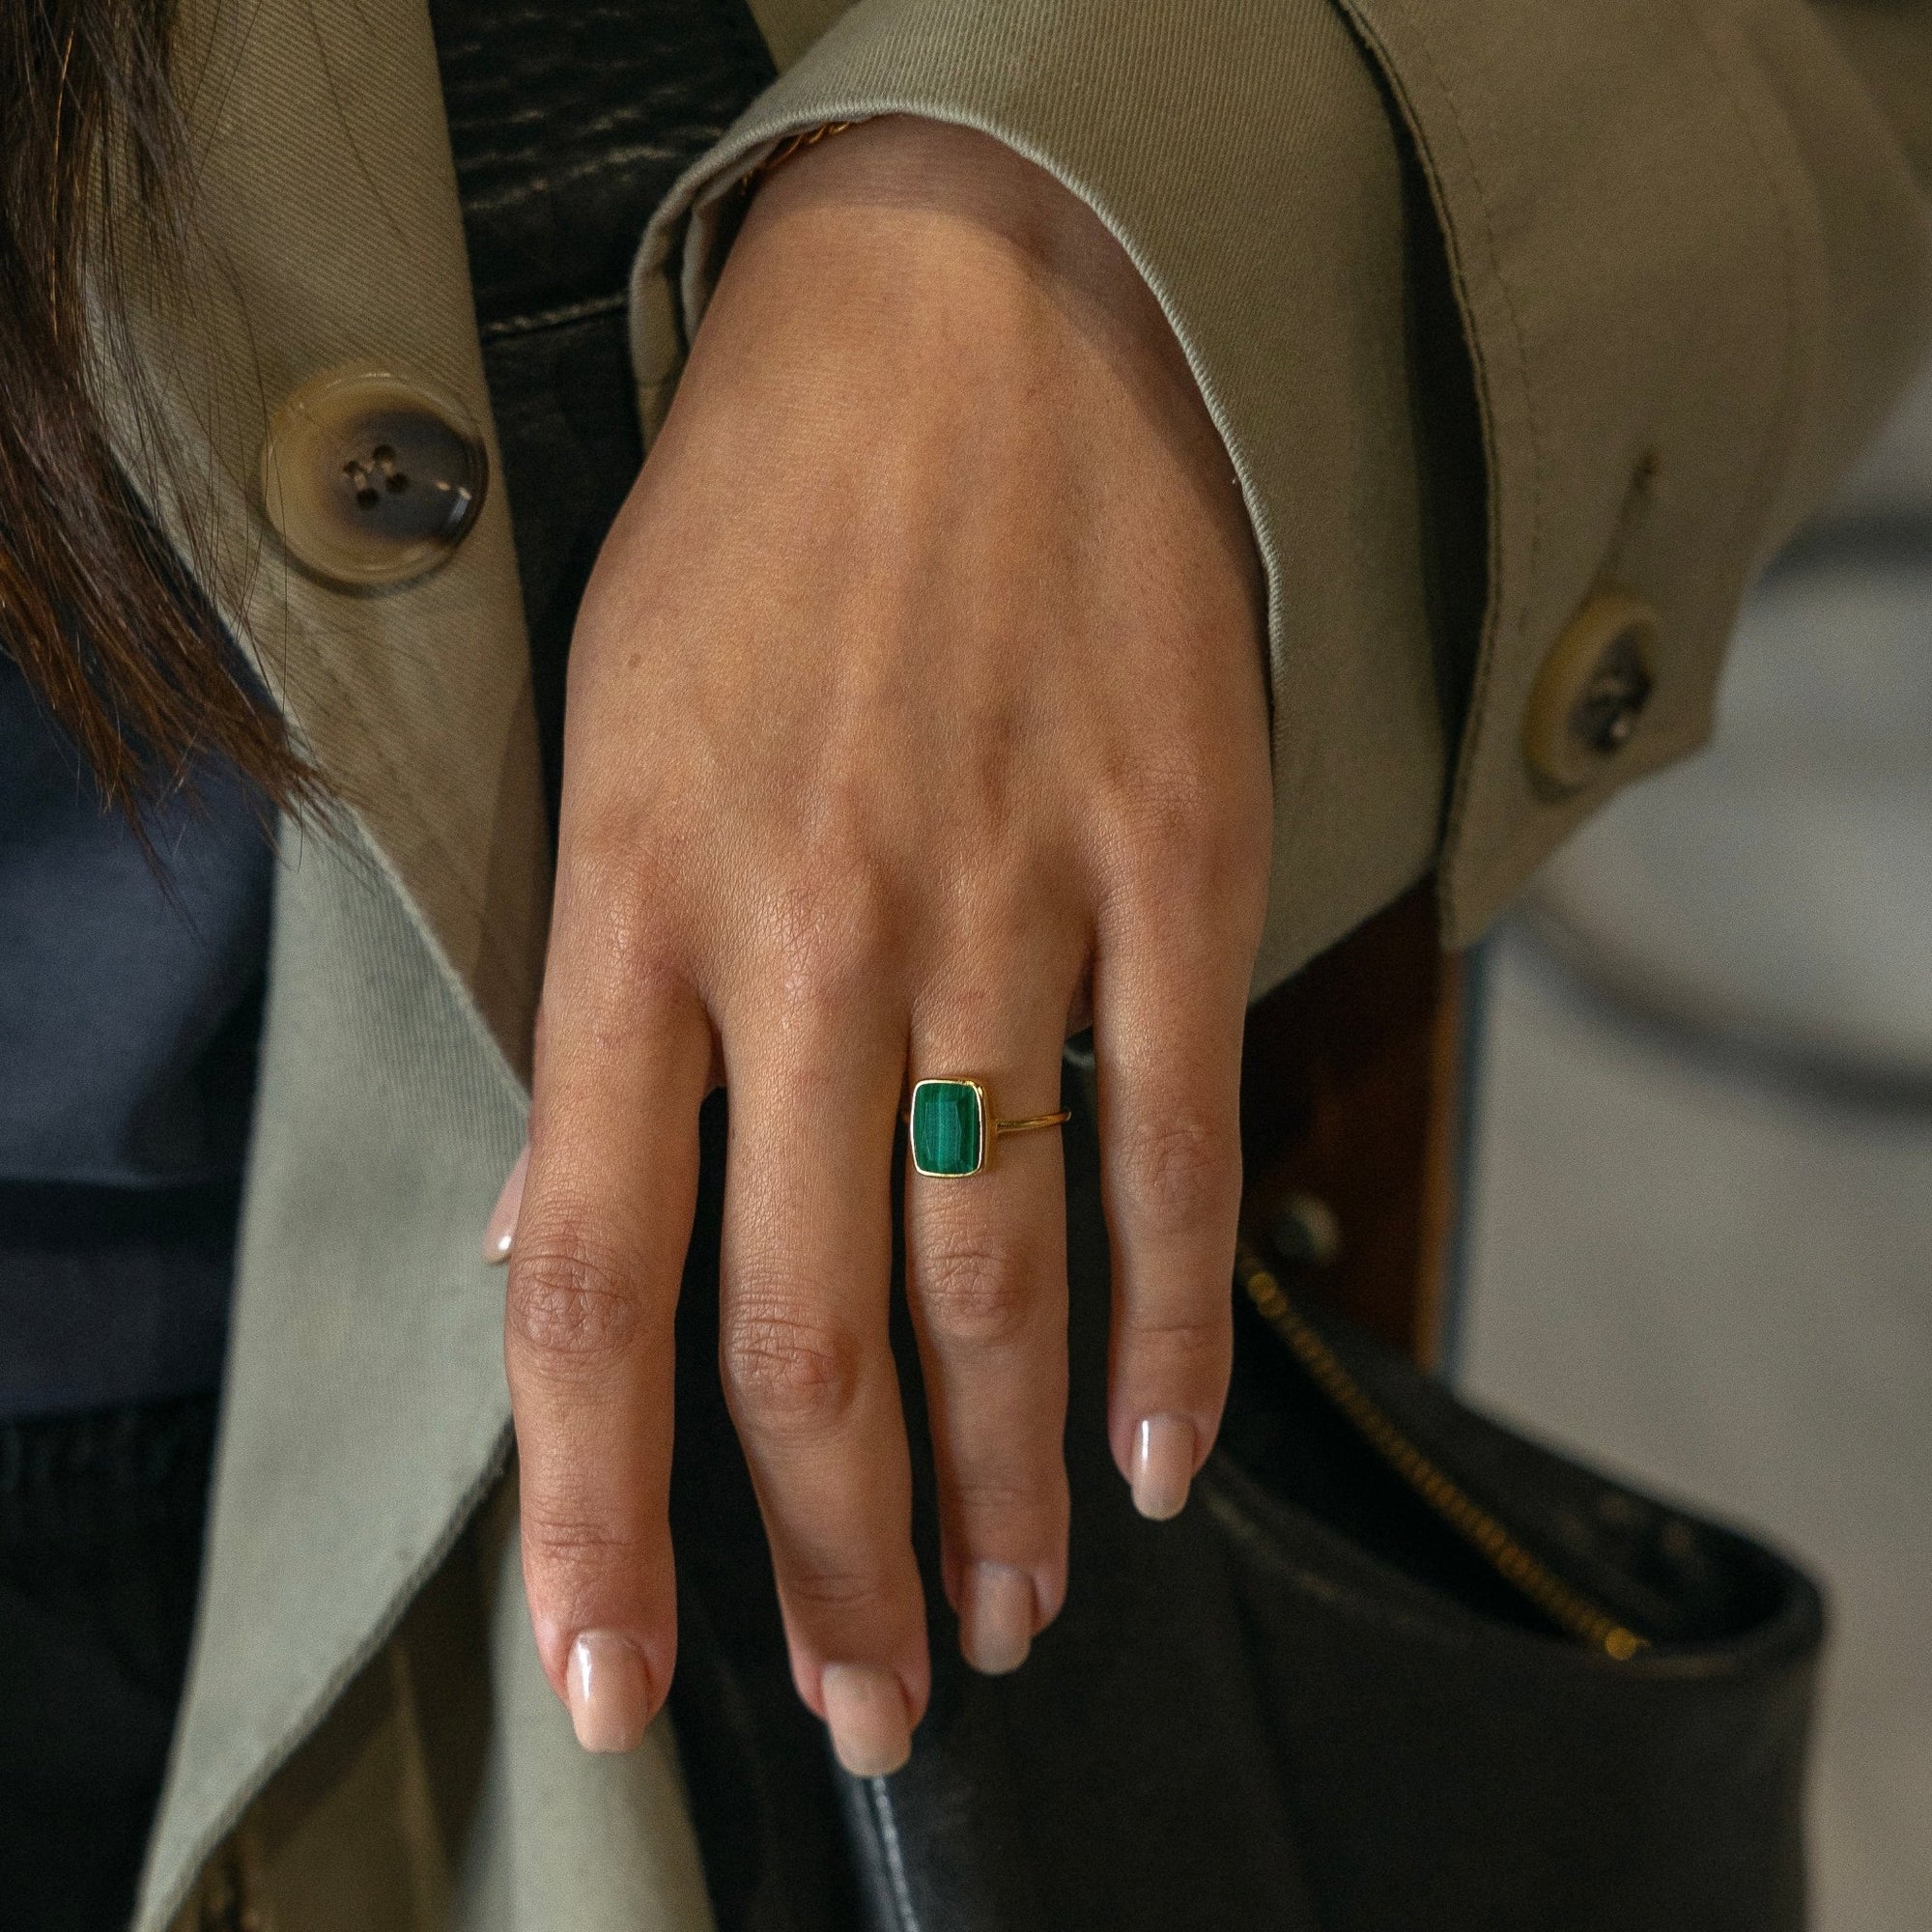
<point>1691,263</point>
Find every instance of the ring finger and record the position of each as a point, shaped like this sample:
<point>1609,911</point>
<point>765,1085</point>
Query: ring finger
<point>986,1279</point>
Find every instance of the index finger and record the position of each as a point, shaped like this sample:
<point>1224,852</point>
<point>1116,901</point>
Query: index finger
<point>625,1060</point>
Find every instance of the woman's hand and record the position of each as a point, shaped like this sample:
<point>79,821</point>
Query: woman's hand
<point>915,712</point>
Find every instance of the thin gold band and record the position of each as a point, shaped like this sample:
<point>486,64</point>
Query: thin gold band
<point>1033,1120</point>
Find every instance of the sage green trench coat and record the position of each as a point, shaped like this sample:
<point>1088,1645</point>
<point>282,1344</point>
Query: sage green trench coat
<point>1687,248</point>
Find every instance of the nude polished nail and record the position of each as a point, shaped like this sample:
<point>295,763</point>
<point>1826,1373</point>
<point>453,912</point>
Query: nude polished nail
<point>997,1613</point>
<point>610,1691</point>
<point>501,1233</point>
<point>1162,1466</point>
<point>866,1712</point>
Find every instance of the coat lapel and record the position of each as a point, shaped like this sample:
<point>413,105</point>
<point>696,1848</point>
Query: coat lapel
<point>364,1412</point>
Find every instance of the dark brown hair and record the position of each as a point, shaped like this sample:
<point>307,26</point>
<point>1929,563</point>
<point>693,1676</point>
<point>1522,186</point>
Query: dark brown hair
<point>101,617</point>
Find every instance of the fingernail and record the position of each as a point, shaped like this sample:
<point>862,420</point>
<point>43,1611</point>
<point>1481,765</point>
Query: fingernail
<point>866,1712</point>
<point>610,1691</point>
<point>501,1231</point>
<point>996,1617</point>
<point>1163,1466</point>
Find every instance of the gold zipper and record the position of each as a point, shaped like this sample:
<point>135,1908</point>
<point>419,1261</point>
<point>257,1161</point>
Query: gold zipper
<point>1565,1607</point>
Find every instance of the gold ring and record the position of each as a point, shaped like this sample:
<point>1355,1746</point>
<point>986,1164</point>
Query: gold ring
<point>954,1127</point>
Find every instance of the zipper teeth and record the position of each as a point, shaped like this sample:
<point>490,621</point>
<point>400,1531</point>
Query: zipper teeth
<point>1565,1607</point>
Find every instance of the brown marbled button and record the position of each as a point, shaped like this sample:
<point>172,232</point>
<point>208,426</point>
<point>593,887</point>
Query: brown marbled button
<point>371,478</point>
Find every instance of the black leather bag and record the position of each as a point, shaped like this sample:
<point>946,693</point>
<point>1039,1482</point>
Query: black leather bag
<point>1394,1667</point>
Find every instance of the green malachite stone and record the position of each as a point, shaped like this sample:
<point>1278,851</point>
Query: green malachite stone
<point>949,1134</point>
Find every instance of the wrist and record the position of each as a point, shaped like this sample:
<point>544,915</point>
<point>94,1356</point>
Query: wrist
<point>929,263</point>
<point>913,166</point>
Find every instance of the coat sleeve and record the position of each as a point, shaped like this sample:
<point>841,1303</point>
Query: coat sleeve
<point>1531,330</point>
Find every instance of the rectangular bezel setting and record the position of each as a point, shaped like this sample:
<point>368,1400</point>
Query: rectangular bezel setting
<point>948,1128</point>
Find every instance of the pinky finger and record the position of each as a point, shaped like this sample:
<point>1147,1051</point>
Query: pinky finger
<point>1167,1038</point>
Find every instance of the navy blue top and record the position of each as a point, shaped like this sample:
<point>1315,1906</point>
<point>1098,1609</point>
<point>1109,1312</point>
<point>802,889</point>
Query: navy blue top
<point>130,1006</point>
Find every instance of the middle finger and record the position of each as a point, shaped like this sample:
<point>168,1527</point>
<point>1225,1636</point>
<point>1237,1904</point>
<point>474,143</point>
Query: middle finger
<point>804,1283</point>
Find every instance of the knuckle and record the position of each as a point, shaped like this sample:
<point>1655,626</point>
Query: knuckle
<point>832,940</point>
<point>614,960</point>
<point>612,883</point>
<point>1181,1173</point>
<point>569,1549</point>
<point>1172,823</point>
<point>597,858</point>
<point>1182,1338</point>
<point>788,1370</point>
<point>600,865</point>
<point>974,1292</point>
<point>1008,1495</point>
<point>568,1300</point>
<point>1183,840</point>
<point>830,1590</point>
